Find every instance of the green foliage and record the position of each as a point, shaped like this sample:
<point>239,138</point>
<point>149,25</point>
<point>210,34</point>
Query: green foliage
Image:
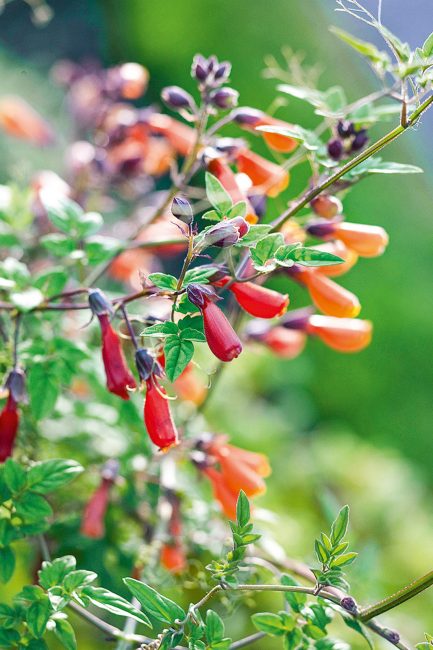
<point>331,553</point>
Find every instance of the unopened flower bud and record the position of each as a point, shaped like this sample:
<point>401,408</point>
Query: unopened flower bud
<point>349,604</point>
<point>110,470</point>
<point>198,294</point>
<point>360,140</point>
<point>225,98</point>
<point>177,98</point>
<point>15,384</point>
<point>199,67</point>
<point>392,636</point>
<point>345,128</point>
<point>246,116</point>
<point>226,233</point>
<point>327,206</point>
<point>223,71</point>
<point>146,364</point>
<point>99,303</point>
<point>181,209</point>
<point>335,149</point>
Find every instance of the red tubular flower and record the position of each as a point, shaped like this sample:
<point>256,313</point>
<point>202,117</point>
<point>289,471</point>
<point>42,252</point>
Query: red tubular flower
<point>9,421</point>
<point>180,136</point>
<point>226,498</point>
<point>257,300</point>
<point>264,174</point>
<point>283,342</point>
<point>157,416</point>
<point>119,377</point>
<point>327,295</point>
<point>173,556</point>
<point>342,334</point>
<point>93,522</point>
<point>19,119</point>
<point>220,335</point>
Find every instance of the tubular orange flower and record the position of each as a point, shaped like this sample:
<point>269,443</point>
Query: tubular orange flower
<point>173,557</point>
<point>367,241</point>
<point>327,295</point>
<point>241,469</point>
<point>283,342</point>
<point>157,416</point>
<point>220,335</point>
<point>264,174</point>
<point>19,119</point>
<point>9,421</point>
<point>257,300</point>
<point>180,136</point>
<point>250,118</point>
<point>93,522</point>
<point>189,387</point>
<point>226,498</point>
<point>342,334</point>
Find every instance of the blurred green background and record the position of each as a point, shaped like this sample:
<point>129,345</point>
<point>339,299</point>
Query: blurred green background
<point>338,428</point>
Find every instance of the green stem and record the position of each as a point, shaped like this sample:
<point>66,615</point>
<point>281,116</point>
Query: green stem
<point>351,164</point>
<point>408,592</point>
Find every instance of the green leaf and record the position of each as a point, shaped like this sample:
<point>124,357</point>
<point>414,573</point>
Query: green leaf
<point>53,573</point>
<point>344,560</point>
<point>89,223</point>
<point>307,138</point>
<point>193,335</point>
<point>115,604</point>
<point>212,215</point>
<point>9,638</point>
<point>264,252</point>
<point>214,627</point>
<point>314,257</point>
<point>32,507</point>
<point>363,47</point>
<point>51,282</point>
<point>313,631</point>
<point>65,633</point>
<point>163,281</point>
<point>58,245</point>
<point>355,625</point>
<point>383,167</point>
<point>99,249</point>
<point>427,48</point>
<point>199,275</point>
<point>8,617</point>
<point>312,96</point>
<point>156,605</point>
<point>294,599</point>
<point>80,578</point>
<point>270,623</point>
<point>239,209</point>
<point>48,475</point>
<point>161,329</point>
<point>43,386</point>
<point>63,213</point>
<point>37,616</point>
<point>14,475</point>
<point>339,527</point>
<point>321,552</point>
<point>7,563</point>
<point>242,509</point>
<point>26,300</point>
<point>178,353</point>
<point>217,195</point>
<point>255,234</point>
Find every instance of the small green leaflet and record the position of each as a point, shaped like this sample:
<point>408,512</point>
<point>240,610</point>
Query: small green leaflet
<point>363,47</point>
<point>7,563</point>
<point>115,604</point>
<point>242,509</point>
<point>48,475</point>
<point>152,602</point>
<point>199,275</point>
<point>254,235</point>
<point>217,195</point>
<point>340,525</point>
<point>160,329</point>
<point>313,257</point>
<point>65,633</point>
<point>178,352</point>
<point>264,252</point>
<point>163,281</point>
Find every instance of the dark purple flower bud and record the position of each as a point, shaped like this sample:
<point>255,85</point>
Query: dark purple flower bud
<point>225,98</point>
<point>199,67</point>
<point>392,636</point>
<point>345,128</point>
<point>335,149</point>
<point>349,604</point>
<point>246,116</point>
<point>203,441</point>
<point>176,97</point>
<point>99,303</point>
<point>258,202</point>
<point>360,140</point>
<point>110,470</point>
<point>16,385</point>
<point>181,209</point>
<point>322,228</point>
<point>226,233</point>
<point>297,319</point>
<point>200,294</point>
<point>229,146</point>
<point>146,364</point>
<point>212,63</point>
<point>223,70</point>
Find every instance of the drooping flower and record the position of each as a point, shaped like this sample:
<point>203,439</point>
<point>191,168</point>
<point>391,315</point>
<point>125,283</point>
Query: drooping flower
<point>257,300</point>
<point>283,342</point>
<point>327,206</point>
<point>226,232</point>
<point>157,415</point>
<point>19,119</point>
<point>237,470</point>
<point>266,176</point>
<point>342,334</point>
<point>250,118</point>
<point>93,522</point>
<point>119,378</point>
<point>365,240</point>
<point>9,416</point>
<point>181,136</point>
<point>220,335</point>
<point>327,295</point>
<point>173,557</point>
